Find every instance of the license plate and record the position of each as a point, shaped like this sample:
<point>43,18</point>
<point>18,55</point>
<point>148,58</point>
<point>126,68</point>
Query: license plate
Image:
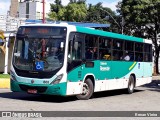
<point>33,91</point>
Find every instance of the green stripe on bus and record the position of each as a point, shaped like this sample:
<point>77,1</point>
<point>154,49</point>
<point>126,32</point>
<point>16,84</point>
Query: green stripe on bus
<point>132,65</point>
<point>108,34</point>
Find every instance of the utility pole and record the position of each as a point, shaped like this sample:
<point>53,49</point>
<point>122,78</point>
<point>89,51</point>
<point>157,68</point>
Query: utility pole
<point>43,20</point>
<point>119,25</point>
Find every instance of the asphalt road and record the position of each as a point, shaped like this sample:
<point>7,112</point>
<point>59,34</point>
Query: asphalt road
<point>145,98</point>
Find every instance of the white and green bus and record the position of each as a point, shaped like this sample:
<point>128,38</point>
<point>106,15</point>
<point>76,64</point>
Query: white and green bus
<point>62,59</point>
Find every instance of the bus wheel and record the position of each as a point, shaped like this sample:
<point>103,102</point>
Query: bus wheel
<point>131,84</point>
<point>87,90</point>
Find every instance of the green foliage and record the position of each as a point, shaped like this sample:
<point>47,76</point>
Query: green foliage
<point>142,16</point>
<point>138,13</point>
<point>56,10</point>
<point>97,13</point>
<point>4,76</point>
<point>76,12</point>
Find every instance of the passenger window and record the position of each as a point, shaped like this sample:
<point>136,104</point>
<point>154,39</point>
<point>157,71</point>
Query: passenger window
<point>138,47</point>
<point>118,44</point>
<point>91,47</point>
<point>117,54</point>
<point>129,46</point>
<point>129,50</point>
<point>147,53</point>
<point>117,49</point>
<point>139,51</point>
<point>105,48</point>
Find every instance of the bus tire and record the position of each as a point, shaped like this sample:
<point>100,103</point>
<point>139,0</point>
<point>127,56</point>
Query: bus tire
<point>131,85</point>
<point>87,90</point>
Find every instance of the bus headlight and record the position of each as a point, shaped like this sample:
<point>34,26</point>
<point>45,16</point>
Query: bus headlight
<point>12,75</point>
<point>57,79</point>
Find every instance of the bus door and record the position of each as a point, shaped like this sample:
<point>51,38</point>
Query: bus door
<point>75,62</point>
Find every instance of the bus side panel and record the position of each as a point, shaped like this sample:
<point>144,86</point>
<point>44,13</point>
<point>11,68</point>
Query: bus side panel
<point>147,69</point>
<point>110,75</point>
<point>147,74</point>
<point>120,71</point>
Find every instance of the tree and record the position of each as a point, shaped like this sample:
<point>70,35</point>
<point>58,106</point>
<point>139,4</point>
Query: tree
<point>97,13</point>
<point>56,7</point>
<point>142,15</point>
<point>78,1</point>
<point>57,10</point>
<point>76,12</point>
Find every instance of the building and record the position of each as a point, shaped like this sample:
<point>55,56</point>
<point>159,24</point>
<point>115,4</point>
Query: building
<point>32,9</point>
<point>14,8</point>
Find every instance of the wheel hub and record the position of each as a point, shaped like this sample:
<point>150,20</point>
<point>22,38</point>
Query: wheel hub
<point>85,89</point>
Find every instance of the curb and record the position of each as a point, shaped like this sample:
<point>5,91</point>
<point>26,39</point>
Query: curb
<point>4,83</point>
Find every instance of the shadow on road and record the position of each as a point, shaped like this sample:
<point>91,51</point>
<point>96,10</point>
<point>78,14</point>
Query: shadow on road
<point>113,93</point>
<point>36,97</point>
<point>153,86</point>
<point>58,99</point>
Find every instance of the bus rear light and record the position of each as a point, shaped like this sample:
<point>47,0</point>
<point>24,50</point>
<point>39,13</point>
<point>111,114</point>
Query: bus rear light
<point>57,79</point>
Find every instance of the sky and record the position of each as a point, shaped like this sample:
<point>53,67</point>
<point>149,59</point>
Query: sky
<point>5,4</point>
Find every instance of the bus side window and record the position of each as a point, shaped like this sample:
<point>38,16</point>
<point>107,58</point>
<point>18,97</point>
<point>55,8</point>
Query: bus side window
<point>105,48</point>
<point>139,52</point>
<point>77,51</point>
<point>117,49</point>
<point>147,53</point>
<point>91,51</point>
<point>129,47</point>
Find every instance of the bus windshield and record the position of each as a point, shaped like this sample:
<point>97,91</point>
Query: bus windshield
<point>39,48</point>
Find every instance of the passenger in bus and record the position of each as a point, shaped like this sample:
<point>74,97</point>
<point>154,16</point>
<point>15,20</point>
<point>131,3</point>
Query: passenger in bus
<point>139,57</point>
<point>146,59</point>
<point>94,53</point>
<point>126,56</point>
<point>53,51</point>
<point>89,54</point>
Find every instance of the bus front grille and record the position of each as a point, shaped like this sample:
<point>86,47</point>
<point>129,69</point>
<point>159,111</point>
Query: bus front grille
<point>39,89</point>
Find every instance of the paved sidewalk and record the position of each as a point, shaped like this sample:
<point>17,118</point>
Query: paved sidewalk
<point>156,77</point>
<point>4,82</point>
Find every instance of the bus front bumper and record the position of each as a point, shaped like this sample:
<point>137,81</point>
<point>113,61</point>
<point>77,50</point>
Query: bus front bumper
<point>56,89</point>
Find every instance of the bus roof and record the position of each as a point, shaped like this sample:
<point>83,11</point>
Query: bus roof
<point>96,32</point>
<point>108,34</point>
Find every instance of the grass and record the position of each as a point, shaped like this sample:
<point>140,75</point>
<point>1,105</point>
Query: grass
<point>4,76</point>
